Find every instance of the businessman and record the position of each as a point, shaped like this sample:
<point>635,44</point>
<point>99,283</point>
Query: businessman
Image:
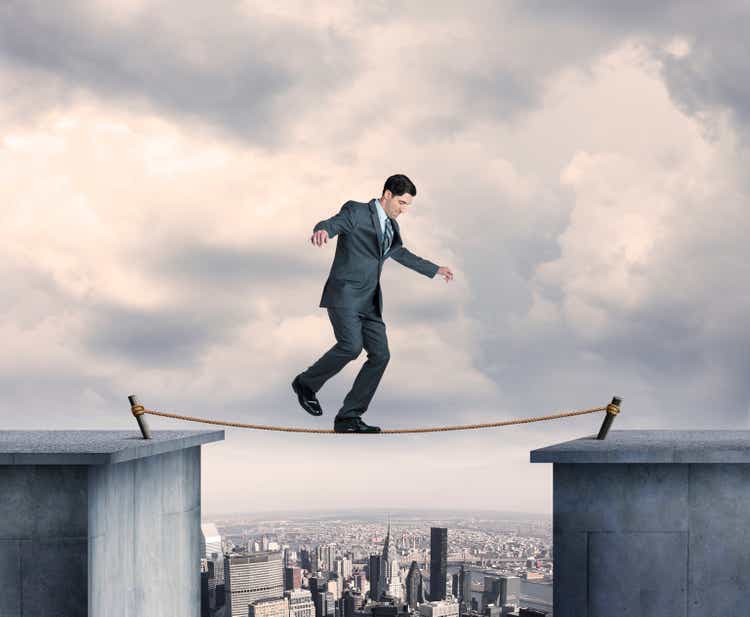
<point>368,235</point>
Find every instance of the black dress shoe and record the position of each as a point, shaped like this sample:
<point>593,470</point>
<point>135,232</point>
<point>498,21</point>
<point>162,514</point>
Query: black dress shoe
<point>354,425</point>
<point>306,398</point>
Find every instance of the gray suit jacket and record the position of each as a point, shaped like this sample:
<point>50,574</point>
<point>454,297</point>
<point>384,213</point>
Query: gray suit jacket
<point>357,264</point>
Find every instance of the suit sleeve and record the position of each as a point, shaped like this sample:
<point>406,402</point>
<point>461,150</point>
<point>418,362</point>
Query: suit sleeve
<point>406,258</point>
<point>342,223</point>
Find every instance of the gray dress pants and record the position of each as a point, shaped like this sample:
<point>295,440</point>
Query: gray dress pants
<point>354,330</point>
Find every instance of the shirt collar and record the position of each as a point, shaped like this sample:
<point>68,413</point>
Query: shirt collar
<point>381,213</point>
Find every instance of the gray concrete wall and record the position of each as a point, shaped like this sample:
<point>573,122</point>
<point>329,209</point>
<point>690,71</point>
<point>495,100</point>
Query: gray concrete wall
<point>144,536</point>
<point>648,539</point>
<point>101,523</point>
<point>43,541</point>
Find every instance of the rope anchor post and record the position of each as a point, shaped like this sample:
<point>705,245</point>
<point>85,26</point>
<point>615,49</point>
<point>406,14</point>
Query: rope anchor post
<point>612,410</point>
<point>138,411</point>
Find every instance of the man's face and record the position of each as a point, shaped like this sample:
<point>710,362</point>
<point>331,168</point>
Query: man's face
<point>396,204</point>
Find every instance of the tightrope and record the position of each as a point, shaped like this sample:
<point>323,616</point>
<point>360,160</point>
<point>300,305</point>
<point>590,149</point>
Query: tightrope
<point>611,409</point>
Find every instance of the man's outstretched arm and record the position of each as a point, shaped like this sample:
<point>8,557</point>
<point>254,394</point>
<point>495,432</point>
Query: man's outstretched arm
<point>341,223</point>
<point>406,258</point>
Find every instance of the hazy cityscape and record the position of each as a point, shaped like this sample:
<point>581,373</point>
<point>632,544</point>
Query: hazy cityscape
<point>385,563</point>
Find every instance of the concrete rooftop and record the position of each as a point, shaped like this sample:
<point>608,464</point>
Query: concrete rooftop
<point>651,446</point>
<point>86,447</point>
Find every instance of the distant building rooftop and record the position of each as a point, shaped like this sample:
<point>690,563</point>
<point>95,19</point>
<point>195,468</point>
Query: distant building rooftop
<point>651,446</point>
<point>88,447</point>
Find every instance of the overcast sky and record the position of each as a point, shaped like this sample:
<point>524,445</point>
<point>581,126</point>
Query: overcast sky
<point>580,166</point>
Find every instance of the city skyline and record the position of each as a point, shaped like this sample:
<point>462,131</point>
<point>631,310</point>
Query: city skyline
<point>334,562</point>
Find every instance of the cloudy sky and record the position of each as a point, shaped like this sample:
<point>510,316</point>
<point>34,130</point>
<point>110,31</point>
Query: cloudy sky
<point>580,166</point>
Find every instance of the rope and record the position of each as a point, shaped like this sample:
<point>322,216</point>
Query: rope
<point>610,408</point>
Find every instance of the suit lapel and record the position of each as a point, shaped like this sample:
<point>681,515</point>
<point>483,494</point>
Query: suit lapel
<point>396,240</point>
<point>376,222</point>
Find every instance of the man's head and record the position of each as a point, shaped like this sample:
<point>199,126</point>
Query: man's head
<point>397,195</point>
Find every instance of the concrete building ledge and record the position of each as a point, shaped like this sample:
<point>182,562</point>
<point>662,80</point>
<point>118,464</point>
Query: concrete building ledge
<point>651,446</point>
<point>88,447</point>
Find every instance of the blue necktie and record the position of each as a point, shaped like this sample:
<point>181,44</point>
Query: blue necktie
<point>388,236</point>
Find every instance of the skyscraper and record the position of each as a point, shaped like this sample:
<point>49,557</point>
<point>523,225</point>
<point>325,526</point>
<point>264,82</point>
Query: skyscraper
<point>277,607</point>
<point>326,553</point>
<point>292,578</point>
<point>389,575</point>
<point>414,589</point>
<point>318,587</point>
<point>347,604</point>
<point>438,562</point>
<point>300,603</point>
<point>330,604</point>
<point>250,578</point>
<point>373,569</point>
<point>501,589</point>
<point>304,559</point>
<point>210,540</point>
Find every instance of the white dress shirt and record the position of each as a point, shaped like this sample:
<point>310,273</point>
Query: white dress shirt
<point>381,215</point>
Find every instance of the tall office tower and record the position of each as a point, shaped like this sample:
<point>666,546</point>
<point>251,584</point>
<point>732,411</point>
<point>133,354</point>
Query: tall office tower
<point>276,607</point>
<point>335,585</point>
<point>338,567</point>
<point>438,562</point>
<point>330,604</point>
<point>346,567</point>
<point>373,570</point>
<point>389,580</point>
<point>439,608</point>
<point>466,588</point>
<point>461,582</point>
<point>300,603</point>
<point>264,544</point>
<point>252,577</point>
<point>343,567</point>
<point>359,601</point>
<point>394,582</point>
<point>218,559</point>
<point>210,540</point>
<point>210,569</point>
<point>326,554</point>
<point>414,591</point>
<point>347,604</point>
<point>292,578</point>
<point>501,589</point>
<point>319,600</point>
<point>286,552</point>
<point>304,559</point>
<point>205,595</point>
<point>318,586</point>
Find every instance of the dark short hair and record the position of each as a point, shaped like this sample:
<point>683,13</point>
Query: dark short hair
<point>398,185</point>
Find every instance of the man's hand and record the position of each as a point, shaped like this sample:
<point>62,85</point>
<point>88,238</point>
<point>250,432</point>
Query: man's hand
<point>446,273</point>
<point>319,237</point>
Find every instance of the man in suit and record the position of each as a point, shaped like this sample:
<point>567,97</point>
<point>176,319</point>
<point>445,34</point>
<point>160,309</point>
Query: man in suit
<point>368,235</point>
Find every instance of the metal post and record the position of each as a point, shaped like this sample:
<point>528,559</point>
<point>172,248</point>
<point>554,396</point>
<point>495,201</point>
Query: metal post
<point>612,410</point>
<point>138,412</point>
